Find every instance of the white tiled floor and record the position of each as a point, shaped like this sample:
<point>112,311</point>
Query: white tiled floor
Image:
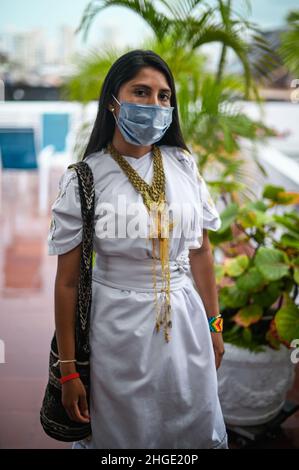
<point>27,319</point>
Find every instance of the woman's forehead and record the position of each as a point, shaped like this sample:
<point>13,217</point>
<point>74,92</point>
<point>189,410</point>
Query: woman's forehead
<point>149,76</point>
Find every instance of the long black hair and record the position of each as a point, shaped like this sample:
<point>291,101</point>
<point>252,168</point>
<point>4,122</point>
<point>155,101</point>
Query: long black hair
<point>125,68</point>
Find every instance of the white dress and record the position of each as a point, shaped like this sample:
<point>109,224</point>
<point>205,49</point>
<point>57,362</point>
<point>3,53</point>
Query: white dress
<point>145,393</point>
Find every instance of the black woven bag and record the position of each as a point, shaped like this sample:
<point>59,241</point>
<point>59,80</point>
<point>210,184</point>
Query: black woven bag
<point>53,416</point>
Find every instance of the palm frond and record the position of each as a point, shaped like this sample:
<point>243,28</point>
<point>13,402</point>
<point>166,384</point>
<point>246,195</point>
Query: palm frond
<point>181,9</point>
<point>289,43</point>
<point>217,34</point>
<point>144,8</point>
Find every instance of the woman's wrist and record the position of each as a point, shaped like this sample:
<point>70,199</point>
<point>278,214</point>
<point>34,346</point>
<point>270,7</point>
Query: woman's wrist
<point>68,368</point>
<point>216,323</point>
<point>69,377</point>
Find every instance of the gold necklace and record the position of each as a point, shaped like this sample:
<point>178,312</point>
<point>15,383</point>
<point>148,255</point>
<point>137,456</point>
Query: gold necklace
<point>155,201</point>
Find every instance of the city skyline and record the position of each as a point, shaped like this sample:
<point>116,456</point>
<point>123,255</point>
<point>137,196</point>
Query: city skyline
<point>42,46</point>
<point>118,23</point>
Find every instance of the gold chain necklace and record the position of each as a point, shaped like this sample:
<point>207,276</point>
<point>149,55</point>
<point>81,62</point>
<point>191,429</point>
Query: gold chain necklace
<point>155,201</point>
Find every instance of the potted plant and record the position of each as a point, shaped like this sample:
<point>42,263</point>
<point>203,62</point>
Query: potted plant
<point>258,277</point>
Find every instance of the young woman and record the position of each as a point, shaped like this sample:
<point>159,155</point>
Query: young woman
<point>154,353</point>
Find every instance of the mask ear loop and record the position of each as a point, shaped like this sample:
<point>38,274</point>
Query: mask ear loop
<point>112,109</point>
<point>116,99</point>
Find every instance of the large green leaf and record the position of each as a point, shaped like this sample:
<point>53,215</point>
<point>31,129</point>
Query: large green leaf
<point>256,205</point>
<point>217,237</point>
<point>251,281</point>
<point>236,266</point>
<point>271,263</point>
<point>272,192</point>
<point>248,315</point>
<point>287,321</point>
<point>231,296</point>
<point>268,295</point>
<point>254,218</point>
<point>279,195</point>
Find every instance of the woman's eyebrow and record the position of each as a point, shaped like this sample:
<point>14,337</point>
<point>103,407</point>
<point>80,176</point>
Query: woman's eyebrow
<point>149,88</point>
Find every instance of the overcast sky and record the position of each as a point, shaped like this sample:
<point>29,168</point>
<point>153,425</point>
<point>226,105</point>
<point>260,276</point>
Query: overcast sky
<point>23,15</point>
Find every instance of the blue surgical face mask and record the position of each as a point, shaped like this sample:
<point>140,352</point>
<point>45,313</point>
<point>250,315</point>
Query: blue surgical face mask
<point>143,124</point>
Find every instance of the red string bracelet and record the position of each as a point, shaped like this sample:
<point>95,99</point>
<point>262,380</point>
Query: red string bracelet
<point>66,378</point>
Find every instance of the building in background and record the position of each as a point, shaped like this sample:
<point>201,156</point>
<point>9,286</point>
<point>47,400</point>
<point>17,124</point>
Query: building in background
<point>32,65</point>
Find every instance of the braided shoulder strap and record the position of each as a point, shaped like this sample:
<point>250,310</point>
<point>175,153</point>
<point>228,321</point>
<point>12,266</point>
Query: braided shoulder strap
<point>87,198</point>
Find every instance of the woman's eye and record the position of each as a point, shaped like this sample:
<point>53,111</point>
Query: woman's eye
<point>138,92</point>
<point>163,96</point>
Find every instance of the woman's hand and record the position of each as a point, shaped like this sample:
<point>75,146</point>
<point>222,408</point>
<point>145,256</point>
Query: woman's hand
<point>218,346</point>
<point>74,401</point>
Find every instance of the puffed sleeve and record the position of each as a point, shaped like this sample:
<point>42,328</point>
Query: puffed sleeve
<point>208,216</point>
<point>66,226</point>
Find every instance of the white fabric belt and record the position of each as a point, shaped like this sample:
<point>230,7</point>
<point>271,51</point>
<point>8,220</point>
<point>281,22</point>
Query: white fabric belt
<point>125,273</point>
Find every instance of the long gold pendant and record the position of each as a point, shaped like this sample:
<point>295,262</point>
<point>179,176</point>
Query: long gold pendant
<point>161,232</point>
<point>154,199</point>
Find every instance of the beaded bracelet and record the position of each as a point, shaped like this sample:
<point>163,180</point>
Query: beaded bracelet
<point>216,323</point>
